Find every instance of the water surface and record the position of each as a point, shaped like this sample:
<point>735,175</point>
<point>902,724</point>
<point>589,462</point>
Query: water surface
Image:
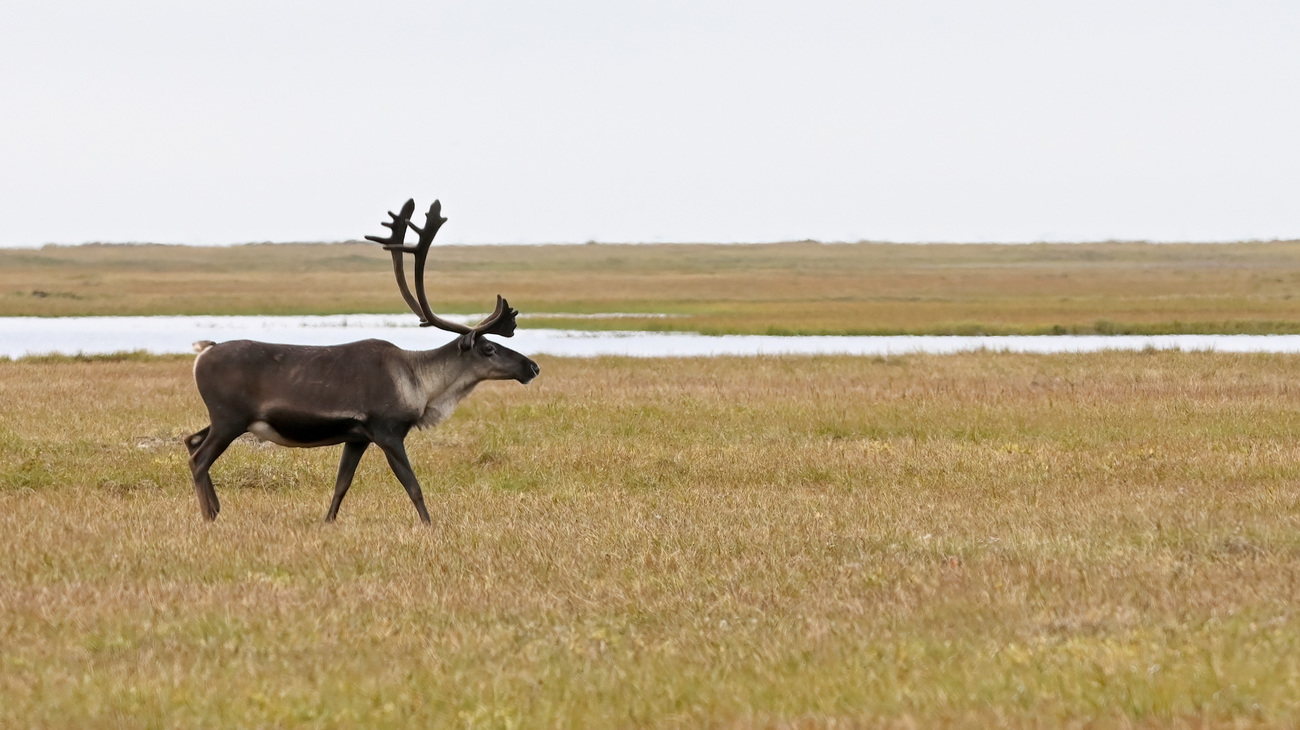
<point>21,336</point>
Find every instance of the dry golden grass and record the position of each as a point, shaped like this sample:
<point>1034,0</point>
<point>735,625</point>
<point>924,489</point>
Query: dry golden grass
<point>984,539</point>
<point>793,288</point>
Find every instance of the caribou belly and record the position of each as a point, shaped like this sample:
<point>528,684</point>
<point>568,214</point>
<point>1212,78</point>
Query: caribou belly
<point>306,432</point>
<point>263,430</point>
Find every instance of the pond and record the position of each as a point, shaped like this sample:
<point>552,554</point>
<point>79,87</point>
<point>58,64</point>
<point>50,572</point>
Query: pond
<point>21,336</point>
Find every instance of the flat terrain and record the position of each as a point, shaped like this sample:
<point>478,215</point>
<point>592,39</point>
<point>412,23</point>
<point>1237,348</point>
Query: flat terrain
<point>791,288</point>
<point>981,540</point>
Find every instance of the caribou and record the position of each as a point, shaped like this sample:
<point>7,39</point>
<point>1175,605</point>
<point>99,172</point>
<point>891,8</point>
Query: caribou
<point>355,394</point>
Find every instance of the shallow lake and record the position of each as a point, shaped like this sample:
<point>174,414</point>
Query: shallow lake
<point>21,336</point>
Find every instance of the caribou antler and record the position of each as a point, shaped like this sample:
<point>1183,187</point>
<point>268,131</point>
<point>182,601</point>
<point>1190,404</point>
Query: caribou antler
<point>394,243</point>
<point>433,220</point>
<point>500,322</point>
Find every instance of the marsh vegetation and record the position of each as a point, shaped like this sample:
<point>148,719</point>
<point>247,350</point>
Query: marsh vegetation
<point>977,539</point>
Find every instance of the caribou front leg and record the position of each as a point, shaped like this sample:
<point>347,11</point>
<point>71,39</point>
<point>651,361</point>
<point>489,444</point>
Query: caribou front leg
<point>395,450</point>
<point>352,452</point>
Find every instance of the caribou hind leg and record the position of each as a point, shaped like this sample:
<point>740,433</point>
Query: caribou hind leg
<point>204,447</point>
<point>352,451</point>
<point>192,444</point>
<point>194,440</point>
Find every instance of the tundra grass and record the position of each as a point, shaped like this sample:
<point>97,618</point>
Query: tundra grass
<point>1099,540</point>
<point>792,288</point>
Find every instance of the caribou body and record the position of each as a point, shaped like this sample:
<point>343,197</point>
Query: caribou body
<point>355,394</point>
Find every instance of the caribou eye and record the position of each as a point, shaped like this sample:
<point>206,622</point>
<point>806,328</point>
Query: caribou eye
<point>489,350</point>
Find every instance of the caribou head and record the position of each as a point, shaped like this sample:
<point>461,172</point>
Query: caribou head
<point>355,394</point>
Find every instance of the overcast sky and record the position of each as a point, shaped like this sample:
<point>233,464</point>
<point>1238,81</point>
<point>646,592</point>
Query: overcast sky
<point>228,122</point>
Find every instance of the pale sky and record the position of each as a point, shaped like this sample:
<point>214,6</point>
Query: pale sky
<point>229,122</point>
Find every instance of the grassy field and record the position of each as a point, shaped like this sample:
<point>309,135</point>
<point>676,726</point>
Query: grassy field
<point>984,539</point>
<point>792,288</point>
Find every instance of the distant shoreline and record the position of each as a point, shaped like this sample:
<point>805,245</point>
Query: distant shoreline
<point>810,241</point>
<point>793,288</point>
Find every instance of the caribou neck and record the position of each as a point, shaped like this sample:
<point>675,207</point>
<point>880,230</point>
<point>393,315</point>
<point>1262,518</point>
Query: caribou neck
<point>444,381</point>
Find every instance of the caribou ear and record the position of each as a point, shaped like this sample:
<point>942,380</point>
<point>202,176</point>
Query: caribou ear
<point>466,341</point>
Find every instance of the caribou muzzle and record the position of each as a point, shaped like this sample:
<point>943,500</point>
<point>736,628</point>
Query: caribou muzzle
<point>528,371</point>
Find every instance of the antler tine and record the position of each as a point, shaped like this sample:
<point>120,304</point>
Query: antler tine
<point>501,321</point>
<point>395,243</point>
